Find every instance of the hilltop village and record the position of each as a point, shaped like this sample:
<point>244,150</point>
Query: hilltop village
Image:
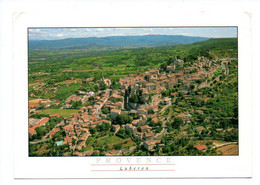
<point>136,119</point>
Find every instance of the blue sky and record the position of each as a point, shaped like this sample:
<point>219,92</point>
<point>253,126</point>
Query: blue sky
<point>62,33</point>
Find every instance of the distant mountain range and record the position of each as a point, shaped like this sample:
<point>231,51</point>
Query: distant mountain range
<point>114,41</point>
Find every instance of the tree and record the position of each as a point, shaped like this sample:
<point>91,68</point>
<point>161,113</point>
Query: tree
<point>177,123</point>
<point>105,126</point>
<point>160,123</point>
<point>133,98</point>
<point>152,123</point>
<point>163,66</point>
<point>76,104</point>
<point>41,131</point>
<point>118,146</point>
<point>146,77</point>
<point>192,86</point>
<point>139,128</point>
<point>103,87</point>
<point>105,111</point>
<point>123,119</point>
<point>92,130</point>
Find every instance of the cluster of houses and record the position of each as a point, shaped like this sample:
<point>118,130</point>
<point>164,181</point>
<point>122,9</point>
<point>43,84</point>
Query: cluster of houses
<point>152,83</point>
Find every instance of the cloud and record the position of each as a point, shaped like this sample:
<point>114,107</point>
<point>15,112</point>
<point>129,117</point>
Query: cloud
<point>100,29</point>
<point>36,31</point>
<point>60,35</point>
<point>32,30</point>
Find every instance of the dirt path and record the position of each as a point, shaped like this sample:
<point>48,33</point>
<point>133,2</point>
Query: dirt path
<point>217,145</point>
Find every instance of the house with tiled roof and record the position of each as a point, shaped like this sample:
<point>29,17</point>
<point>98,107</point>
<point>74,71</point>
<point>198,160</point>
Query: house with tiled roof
<point>138,135</point>
<point>199,129</point>
<point>114,153</point>
<point>68,128</point>
<point>41,122</point>
<point>148,135</point>
<point>67,140</point>
<point>73,98</point>
<point>155,120</point>
<point>166,101</point>
<point>80,145</point>
<point>154,71</point>
<point>54,115</point>
<point>170,68</point>
<point>138,122</point>
<point>142,111</point>
<point>201,147</point>
<point>78,153</point>
<point>150,144</point>
<point>130,127</point>
<point>46,105</point>
<point>67,106</point>
<point>154,107</point>
<point>199,111</point>
<point>145,127</point>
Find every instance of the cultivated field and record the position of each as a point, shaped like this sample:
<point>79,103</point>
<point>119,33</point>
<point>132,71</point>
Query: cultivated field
<point>231,149</point>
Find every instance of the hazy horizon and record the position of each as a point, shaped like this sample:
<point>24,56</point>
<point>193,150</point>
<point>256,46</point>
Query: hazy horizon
<point>66,33</point>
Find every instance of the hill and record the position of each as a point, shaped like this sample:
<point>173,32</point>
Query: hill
<point>218,43</point>
<point>114,41</point>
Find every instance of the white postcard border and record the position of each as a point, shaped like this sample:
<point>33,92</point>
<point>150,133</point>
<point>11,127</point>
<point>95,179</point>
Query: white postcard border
<point>82,167</point>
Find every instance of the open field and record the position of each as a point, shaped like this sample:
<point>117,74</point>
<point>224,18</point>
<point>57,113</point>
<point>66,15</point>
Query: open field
<point>229,149</point>
<point>63,112</point>
<point>109,140</point>
<point>68,82</point>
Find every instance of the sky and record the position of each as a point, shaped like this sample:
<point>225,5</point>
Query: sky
<point>63,33</point>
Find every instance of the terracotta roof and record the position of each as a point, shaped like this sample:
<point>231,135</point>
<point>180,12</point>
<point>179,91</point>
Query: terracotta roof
<point>156,120</point>
<point>199,111</point>
<point>68,139</point>
<point>77,153</point>
<point>41,122</point>
<point>150,84</point>
<point>154,106</point>
<point>152,142</point>
<point>54,115</point>
<point>200,128</point>
<point>105,121</point>
<point>116,111</point>
<point>181,115</point>
<point>144,127</point>
<point>84,137</point>
<point>68,127</point>
<point>113,153</point>
<point>73,97</point>
<point>174,94</point>
<point>200,147</point>
<point>93,117</point>
<point>95,123</point>
<point>138,133</point>
<point>150,134</point>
